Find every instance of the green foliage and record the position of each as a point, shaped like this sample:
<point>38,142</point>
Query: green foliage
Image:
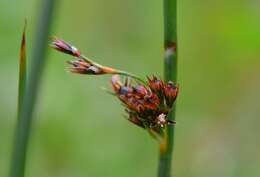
<point>28,90</point>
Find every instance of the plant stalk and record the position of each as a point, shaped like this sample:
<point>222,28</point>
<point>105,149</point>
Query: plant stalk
<point>124,73</point>
<point>23,127</point>
<point>170,74</point>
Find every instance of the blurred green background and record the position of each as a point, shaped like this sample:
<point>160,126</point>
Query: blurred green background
<point>79,129</point>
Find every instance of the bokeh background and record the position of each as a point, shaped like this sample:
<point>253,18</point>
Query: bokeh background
<point>79,130</point>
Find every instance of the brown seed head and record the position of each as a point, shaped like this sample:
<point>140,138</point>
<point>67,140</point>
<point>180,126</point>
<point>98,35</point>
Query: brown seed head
<point>155,84</point>
<point>65,47</point>
<point>82,66</point>
<point>145,104</point>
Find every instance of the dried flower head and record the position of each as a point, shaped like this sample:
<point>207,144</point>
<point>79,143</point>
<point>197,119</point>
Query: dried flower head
<point>147,105</point>
<point>64,47</point>
<point>83,66</point>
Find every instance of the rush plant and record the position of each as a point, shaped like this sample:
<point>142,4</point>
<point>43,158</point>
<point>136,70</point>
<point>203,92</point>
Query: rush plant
<point>150,103</point>
<point>147,103</point>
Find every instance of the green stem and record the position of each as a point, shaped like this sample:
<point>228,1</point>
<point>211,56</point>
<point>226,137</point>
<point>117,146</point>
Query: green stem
<point>124,73</point>
<point>170,69</point>
<point>23,126</point>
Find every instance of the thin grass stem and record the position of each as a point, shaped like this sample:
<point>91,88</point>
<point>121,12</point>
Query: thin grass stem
<point>170,73</point>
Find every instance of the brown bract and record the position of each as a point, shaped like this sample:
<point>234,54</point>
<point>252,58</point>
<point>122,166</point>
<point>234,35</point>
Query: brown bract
<point>147,105</point>
<point>64,47</point>
<point>83,66</point>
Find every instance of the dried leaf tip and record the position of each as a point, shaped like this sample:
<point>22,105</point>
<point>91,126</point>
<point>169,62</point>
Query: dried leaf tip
<point>23,46</point>
<point>22,68</point>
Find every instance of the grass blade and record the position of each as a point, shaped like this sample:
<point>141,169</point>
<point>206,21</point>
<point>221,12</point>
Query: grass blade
<point>27,98</point>
<point>15,166</point>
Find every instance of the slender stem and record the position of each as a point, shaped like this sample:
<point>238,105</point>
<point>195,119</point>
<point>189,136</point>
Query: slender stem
<point>23,127</point>
<point>170,69</point>
<point>124,73</point>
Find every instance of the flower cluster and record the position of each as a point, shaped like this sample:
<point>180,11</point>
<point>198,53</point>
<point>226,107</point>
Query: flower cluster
<point>146,102</point>
<point>147,105</point>
<point>82,65</point>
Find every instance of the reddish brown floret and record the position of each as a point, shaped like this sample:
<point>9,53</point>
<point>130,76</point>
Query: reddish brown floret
<point>65,47</point>
<point>83,66</point>
<point>170,93</point>
<point>155,84</point>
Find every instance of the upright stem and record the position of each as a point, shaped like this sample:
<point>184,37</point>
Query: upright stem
<point>27,105</point>
<point>170,73</point>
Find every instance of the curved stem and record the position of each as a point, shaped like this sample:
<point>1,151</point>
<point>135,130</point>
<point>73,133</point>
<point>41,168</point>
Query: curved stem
<point>170,73</point>
<point>124,73</point>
